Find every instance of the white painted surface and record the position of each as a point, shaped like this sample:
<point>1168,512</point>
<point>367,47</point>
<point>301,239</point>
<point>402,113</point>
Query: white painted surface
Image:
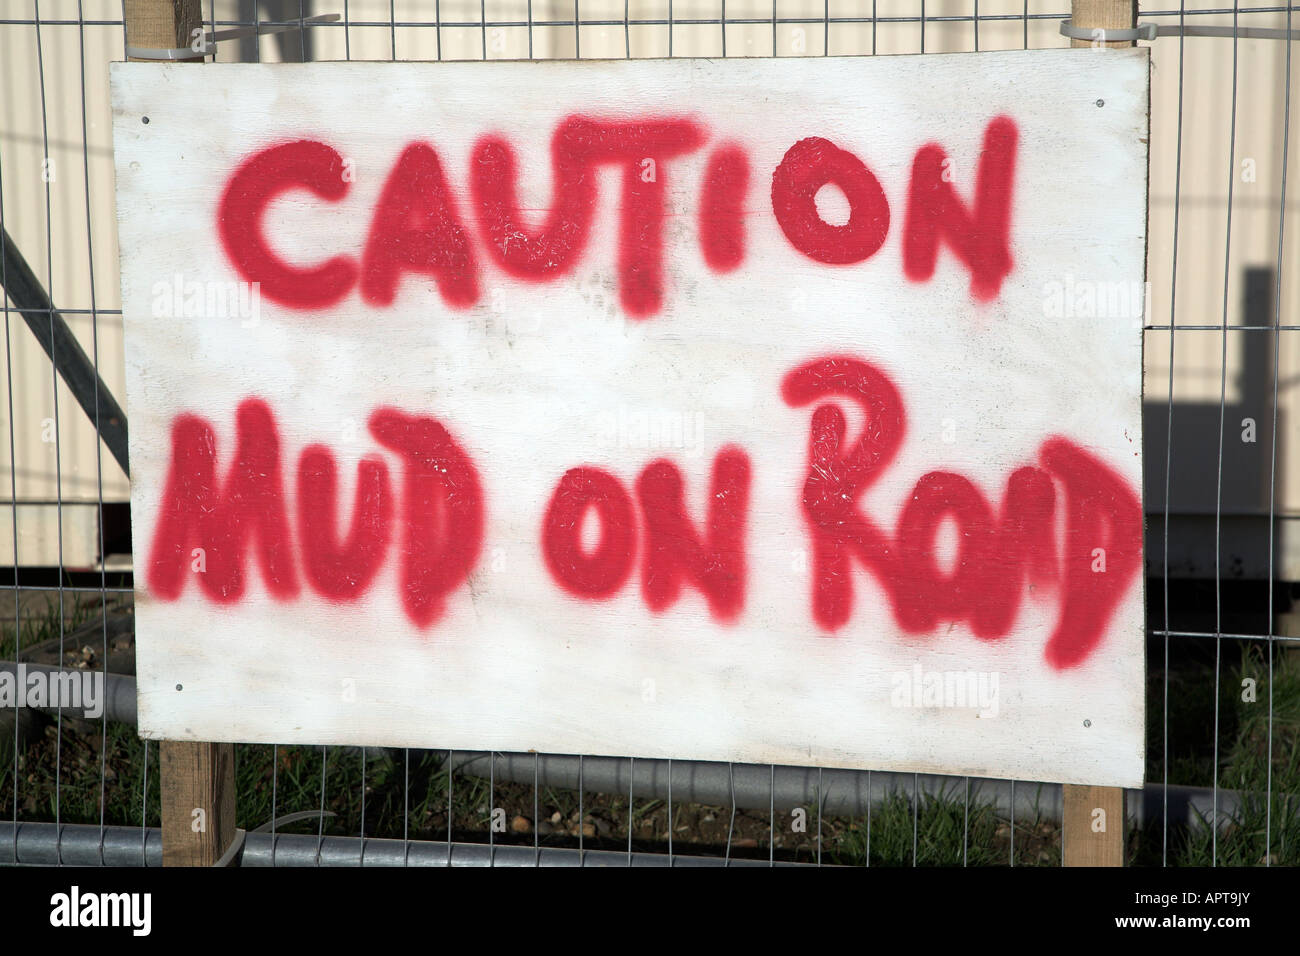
<point>536,380</point>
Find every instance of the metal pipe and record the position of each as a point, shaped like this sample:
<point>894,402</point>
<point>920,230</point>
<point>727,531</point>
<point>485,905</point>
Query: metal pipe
<point>119,703</point>
<point>45,844</point>
<point>86,845</point>
<point>844,792</point>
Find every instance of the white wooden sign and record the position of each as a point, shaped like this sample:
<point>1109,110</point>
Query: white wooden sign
<point>777,411</point>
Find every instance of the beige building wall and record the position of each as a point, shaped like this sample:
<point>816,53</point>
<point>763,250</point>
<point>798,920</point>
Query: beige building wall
<point>56,186</point>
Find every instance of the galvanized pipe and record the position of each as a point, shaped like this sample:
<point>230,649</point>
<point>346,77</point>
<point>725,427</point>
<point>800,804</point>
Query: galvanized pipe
<point>119,691</point>
<point>48,844</point>
<point>85,845</point>
<point>843,792</point>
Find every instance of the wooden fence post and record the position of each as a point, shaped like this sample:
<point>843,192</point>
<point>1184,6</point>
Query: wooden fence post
<point>1106,14</point>
<point>1092,818</point>
<point>162,24</point>
<point>198,801</point>
<point>1092,826</point>
<point>197,779</point>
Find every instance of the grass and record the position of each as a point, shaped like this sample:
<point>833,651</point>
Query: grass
<point>69,790</point>
<point>1243,764</point>
<point>280,781</point>
<point>944,831</point>
<point>38,620</point>
<point>938,821</point>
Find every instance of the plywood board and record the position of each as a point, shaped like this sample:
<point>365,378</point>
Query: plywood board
<point>779,411</point>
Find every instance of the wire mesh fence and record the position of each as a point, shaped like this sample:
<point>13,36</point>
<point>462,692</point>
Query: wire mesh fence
<point>1222,547</point>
